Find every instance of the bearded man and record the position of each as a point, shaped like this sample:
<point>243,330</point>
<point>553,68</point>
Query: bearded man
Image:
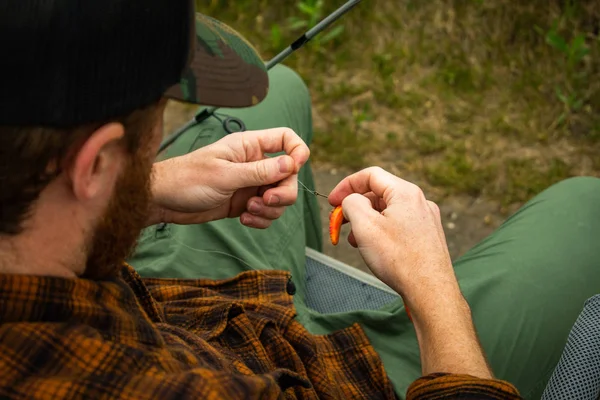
<point>212,302</point>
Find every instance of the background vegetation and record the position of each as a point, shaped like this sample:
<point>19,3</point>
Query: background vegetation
<point>492,98</point>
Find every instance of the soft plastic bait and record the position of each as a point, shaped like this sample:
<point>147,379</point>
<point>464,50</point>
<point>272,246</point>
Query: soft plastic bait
<point>408,312</point>
<point>336,218</point>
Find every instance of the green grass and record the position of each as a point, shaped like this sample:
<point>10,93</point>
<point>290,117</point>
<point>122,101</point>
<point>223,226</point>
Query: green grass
<point>345,145</point>
<point>456,170</point>
<point>525,178</point>
<point>499,98</point>
<point>428,142</point>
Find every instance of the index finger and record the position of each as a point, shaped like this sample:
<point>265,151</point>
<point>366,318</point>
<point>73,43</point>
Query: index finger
<point>275,140</point>
<point>373,179</point>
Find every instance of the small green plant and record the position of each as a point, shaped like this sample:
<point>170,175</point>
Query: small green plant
<point>312,13</point>
<point>573,53</point>
<point>361,114</point>
<point>571,103</point>
<point>384,65</point>
<point>276,37</point>
<point>345,144</point>
<point>456,170</point>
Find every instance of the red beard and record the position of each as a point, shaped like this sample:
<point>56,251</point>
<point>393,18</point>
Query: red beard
<point>116,234</point>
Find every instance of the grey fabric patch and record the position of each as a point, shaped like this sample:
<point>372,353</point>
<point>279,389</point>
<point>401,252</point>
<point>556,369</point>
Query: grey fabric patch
<point>331,291</point>
<point>577,374</point>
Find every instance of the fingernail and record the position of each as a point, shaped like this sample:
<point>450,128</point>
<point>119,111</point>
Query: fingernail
<point>254,207</point>
<point>273,200</point>
<point>285,165</point>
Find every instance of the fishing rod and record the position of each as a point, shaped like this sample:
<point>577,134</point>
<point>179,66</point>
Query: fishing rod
<point>298,43</point>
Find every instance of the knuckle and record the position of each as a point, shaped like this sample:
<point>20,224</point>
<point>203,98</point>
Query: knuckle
<point>290,131</point>
<point>434,207</point>
<point>416,191</point>
<point>262,171</point>
<point>277,213</point>
<point>290,135</point>
<point>353,198</point>
<point>412,191</point>
<point>376,170</point>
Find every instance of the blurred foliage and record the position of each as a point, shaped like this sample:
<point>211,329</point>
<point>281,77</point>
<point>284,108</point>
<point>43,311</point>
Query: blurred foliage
<point>482,97</point>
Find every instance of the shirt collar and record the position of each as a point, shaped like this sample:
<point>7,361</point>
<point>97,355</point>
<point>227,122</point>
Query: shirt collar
<point>104,305</point>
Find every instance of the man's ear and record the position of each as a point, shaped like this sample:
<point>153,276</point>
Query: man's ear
<point>96,166</point>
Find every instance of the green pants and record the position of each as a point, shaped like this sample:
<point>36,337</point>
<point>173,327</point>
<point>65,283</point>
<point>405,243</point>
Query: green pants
<point>526,283</point>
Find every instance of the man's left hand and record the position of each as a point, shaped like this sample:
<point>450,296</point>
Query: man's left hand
<point>231,178</point>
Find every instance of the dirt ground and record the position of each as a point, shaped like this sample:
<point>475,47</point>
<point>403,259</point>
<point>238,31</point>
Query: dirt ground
<point>467,220</point>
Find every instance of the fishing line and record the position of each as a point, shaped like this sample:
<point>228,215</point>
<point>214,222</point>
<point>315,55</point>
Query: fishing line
<point>259,271</point>
<point>310,190</point>
<point>221,253</point>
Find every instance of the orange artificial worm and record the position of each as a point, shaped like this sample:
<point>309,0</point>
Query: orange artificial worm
<point>408,312</point>
<point>336,218</point>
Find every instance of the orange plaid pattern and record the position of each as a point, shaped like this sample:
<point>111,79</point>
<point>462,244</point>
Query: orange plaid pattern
<point>163,339</point>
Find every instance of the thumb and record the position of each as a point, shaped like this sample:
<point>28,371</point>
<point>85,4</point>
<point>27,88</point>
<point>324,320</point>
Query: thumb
<point>263,172</point>
<point>358,209</point>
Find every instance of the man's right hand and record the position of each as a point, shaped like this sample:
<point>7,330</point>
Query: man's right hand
<point>400,236</point>
<point>397,231</point>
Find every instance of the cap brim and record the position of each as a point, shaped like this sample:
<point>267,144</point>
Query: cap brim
<point>224,71</point>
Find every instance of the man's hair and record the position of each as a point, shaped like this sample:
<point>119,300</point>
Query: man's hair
<point>31,157</point>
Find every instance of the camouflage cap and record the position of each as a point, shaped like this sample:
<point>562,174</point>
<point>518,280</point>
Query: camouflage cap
<point>224,69</point>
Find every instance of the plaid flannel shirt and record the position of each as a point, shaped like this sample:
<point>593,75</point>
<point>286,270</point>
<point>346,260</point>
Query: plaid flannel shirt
<point>177,339</point>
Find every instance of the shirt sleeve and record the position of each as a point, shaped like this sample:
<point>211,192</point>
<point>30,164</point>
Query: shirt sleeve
<point>448,386</point>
